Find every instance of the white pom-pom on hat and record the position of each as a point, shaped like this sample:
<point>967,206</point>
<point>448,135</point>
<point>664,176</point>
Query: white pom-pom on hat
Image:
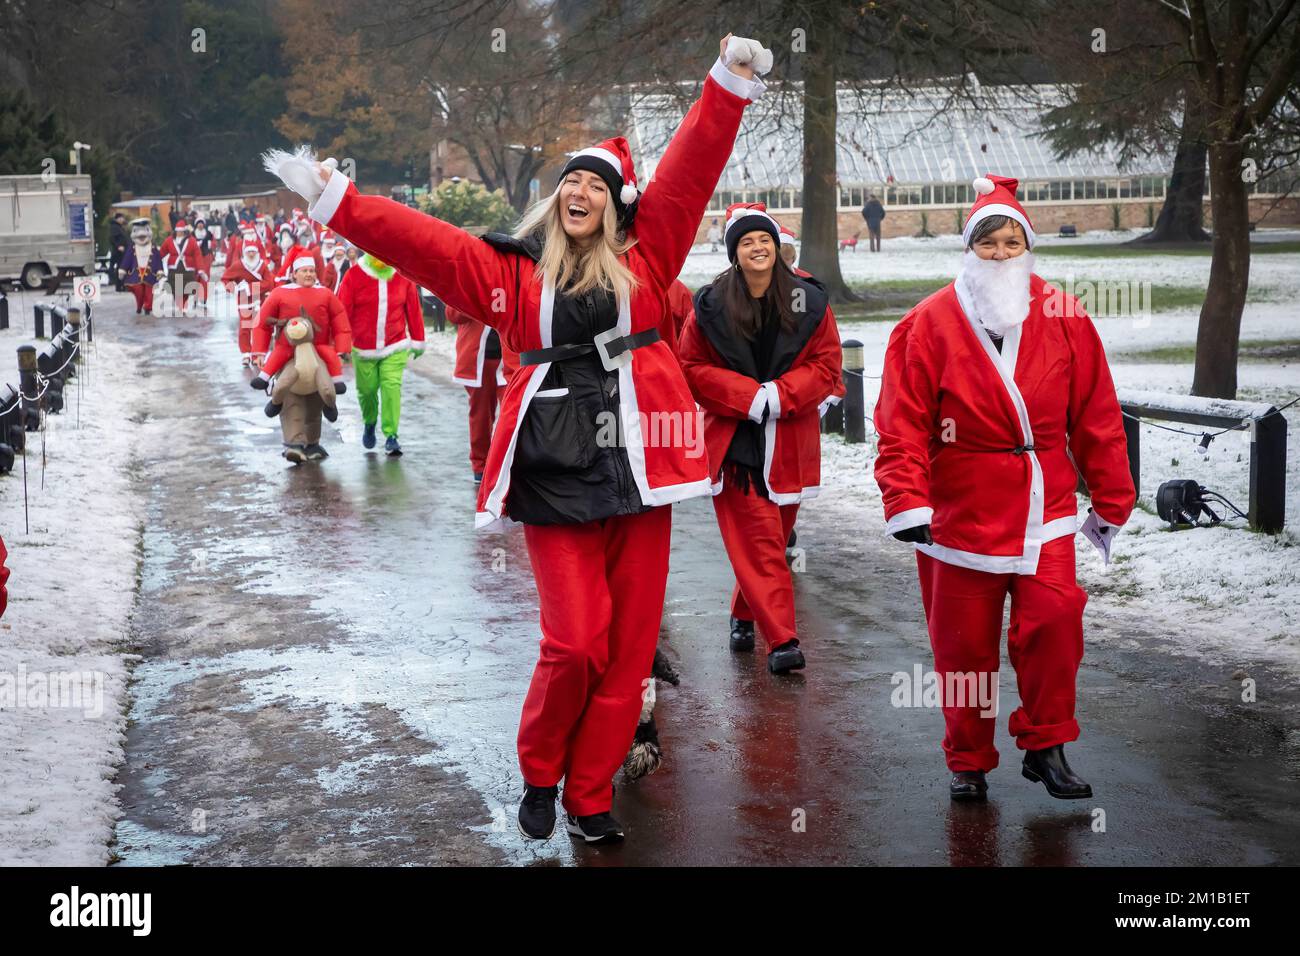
<point>628,194</point>
<point>983,185</point>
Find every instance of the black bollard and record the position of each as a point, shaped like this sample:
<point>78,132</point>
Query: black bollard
<point>11,419</point>
<point>88,324</point>
<point>855,404</point>
<point>38,318</point>
<point>27,385</point>
<point>4,311</point>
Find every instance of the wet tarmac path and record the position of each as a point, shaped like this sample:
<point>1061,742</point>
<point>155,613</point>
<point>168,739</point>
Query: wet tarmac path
<point>333,663</point>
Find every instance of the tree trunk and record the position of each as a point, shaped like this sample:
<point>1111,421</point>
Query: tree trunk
<point>1182,217</point>
<point>819,251</point>
<point>1219,332</point>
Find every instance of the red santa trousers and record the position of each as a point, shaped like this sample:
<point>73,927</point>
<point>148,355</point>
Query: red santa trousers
<point>247,319</point>
<point>143,293</point>
<point>1044,642</point>
<point>601,587</point>
<point>482,415</point>
<point>755,531</point>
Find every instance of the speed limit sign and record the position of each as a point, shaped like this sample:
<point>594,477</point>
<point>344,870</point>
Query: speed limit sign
<point>87,289</point>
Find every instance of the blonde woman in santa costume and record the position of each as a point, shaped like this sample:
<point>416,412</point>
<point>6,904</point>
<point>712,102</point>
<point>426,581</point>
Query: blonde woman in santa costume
<point>995,390</point>
<point>579,292</point>
<point>761,354</point>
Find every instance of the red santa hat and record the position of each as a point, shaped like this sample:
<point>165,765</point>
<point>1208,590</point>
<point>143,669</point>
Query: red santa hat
<point>788,238</point>
<point>181,226</point>
<point>997,197</point>
<point>612,162</point>
<point>743,217</point>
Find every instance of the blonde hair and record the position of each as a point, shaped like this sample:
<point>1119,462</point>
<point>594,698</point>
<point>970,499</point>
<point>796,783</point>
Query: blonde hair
<point>597,265</point>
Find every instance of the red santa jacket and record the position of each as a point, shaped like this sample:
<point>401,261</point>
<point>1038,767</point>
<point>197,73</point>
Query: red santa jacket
<point>385,315</point>
<point>334,274</point>
<point>681,304</point>
<point>471,350</point>
<point>242,281</point>
<point>323,307</point>
<point>174,253</point>
<point>982,445</point>
<point>807,369</point>
<point>498,286</point>
<point>204,259</point>
<point>4,578</point>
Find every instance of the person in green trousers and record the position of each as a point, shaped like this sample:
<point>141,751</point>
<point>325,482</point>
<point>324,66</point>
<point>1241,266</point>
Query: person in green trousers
<point>383,307</point>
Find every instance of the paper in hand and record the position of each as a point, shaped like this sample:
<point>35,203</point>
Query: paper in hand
<point>1100,534</point>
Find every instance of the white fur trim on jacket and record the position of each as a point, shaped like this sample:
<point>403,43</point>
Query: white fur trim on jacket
<point>735,84</point>
<point>324,208</point>
<point>911,518</point>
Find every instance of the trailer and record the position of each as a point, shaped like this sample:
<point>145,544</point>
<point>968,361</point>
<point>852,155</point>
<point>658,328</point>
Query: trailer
<point>47,228</point>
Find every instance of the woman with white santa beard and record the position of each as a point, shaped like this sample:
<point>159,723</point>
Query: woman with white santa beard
<point>579,293</point>
<point>995,390</point>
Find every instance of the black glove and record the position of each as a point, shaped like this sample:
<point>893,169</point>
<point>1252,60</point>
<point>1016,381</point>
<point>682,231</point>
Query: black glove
<point>919,534</point>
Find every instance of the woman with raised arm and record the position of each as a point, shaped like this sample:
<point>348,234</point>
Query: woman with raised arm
<point>578,455</point>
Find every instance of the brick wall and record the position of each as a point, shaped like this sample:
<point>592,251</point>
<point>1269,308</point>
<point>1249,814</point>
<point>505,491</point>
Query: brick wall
<point>1046,217</point>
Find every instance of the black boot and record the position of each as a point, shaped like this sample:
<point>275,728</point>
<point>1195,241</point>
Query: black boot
<point>742,635</point>
<point>785,658</point>
<point>537,812</point>
<point>1050,768</point>
<point>331,412</point>
<point>968,785</point>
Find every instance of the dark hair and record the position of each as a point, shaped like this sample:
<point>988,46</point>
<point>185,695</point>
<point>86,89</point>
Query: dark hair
<point>746,311</point>
<point>990,225</point>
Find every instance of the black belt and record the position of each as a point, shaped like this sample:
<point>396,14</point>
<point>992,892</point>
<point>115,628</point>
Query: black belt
<point>613,348</point>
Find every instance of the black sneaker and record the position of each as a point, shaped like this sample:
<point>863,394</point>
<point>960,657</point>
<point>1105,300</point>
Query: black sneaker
<point>296,453</point>
<point>595,829</point>
<point>316,452</point>
<point>742,635</point>
<point>537,812</point>
<point>786,658</point>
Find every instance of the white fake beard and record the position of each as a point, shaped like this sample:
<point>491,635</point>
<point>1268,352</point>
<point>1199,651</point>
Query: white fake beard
<point>998,289</point>
<point>251,264</point>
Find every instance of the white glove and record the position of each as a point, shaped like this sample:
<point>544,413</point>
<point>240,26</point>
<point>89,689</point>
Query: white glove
<point>298,170</point>
<point>748,52</point>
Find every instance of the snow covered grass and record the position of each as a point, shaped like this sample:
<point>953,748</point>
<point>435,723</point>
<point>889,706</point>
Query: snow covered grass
<point>63,665</point>
<point>1225,594</point>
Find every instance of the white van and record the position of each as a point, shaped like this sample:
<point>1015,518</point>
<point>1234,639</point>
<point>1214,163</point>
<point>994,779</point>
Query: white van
<point>47,227</point>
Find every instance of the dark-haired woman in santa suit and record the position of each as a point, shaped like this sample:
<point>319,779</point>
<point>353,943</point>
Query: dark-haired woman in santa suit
<point>762,354</point>
<point>579,293</point>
